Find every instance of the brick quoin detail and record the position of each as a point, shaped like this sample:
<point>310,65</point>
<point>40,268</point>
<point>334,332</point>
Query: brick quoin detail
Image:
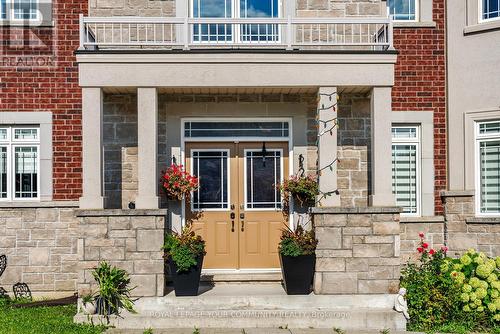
<point>420,83</point>
<point>52,88</point>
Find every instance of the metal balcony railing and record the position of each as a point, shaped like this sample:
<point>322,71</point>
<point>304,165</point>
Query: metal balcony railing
<point>364,33</point>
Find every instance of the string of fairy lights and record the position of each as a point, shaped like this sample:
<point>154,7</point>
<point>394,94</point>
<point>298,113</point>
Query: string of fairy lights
<point>326,127</point>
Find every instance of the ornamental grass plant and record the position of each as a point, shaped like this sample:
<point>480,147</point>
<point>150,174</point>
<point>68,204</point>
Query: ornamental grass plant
<point>452,294</point>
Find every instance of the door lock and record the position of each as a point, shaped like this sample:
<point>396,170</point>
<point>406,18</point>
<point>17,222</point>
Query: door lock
<point>233,215</point>
<point>242,216</point>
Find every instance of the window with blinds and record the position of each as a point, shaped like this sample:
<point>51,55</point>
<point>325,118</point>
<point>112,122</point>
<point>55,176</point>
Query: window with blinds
<point>406,168</point>
<point>19,163</point>
<point>488,167</point>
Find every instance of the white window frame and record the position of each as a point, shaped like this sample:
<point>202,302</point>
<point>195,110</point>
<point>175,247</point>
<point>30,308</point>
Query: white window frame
<point>481,12</point>
<point>10,13</point>
<point>417,142</point>
<point>11,143</point>
<point>479,138</point>
<point>236,35</point>
<point>417,12</point>
<point>245,178</point>
<point>228,185</point>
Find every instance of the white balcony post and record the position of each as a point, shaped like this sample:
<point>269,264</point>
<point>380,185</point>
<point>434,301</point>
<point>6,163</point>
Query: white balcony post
<point>185,26</point>
<point>327,145</point>
<point>92,125</point>
<point>289,32</point>
<point>381,148</point>
<point>147,142</point>
<point>82,33</point>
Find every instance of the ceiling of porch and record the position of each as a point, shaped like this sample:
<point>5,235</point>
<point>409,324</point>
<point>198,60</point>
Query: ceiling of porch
<point>240,90</point>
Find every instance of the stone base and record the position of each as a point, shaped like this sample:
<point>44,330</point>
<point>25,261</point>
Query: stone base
<point>358,250</point>
<point>129,239</point>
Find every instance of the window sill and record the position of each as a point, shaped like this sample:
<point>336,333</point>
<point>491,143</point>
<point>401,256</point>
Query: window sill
<point>483,220</point>
<point>22,24</point>
<point>482,27</point>
<point>424,219</point>
<point>414,24</point>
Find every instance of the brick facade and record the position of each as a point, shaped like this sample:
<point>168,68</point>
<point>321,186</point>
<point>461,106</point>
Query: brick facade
<point>420,75</point>
<point>51,85</point>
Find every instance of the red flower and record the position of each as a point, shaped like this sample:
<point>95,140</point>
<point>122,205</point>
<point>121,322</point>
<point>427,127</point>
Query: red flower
<point>425,245</point>
<point>421,234</point>
<point>420,249</point>
<point>432,252</point>
<point>444,249</point>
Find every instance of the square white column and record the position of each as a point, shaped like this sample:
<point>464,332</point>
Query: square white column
<point>92,125</point>
<point>381,147</point>
<point>327,145</point>
<point>147,135</point>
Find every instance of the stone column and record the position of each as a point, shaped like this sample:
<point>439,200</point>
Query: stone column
<point>92,125</point>
<point>147,142</point>
<point>327,144</point>
<point>381,149</point>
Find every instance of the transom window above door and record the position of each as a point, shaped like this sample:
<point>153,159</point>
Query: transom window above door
<point>219,32</point>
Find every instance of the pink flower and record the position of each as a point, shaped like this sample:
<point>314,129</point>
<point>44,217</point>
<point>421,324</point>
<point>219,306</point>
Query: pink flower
<point>421,234</point>
<point>432,252</point>
<point>425,245</point>
<point>444,249</point>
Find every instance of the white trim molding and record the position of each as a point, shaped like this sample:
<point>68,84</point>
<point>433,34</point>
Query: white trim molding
<point>425,120</point>
<point>44,121</point>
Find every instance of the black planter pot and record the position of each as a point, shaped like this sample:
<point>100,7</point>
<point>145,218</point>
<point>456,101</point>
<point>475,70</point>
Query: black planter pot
<point>103,307</point>
<point>186,283</point>
<point>298,273</point>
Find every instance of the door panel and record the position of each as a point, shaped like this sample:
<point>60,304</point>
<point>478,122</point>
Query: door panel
<point>209,208</point>
<point>260,229</point>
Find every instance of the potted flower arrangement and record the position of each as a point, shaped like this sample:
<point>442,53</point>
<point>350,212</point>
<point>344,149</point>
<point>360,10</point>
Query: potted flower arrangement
<point>297,256</point>
<point>303,189</point>
<point>178,183</point>
<point>184,254</point>
<point>113,294</point>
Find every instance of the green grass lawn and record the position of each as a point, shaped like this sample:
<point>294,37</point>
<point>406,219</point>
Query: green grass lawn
<point>43,320</point>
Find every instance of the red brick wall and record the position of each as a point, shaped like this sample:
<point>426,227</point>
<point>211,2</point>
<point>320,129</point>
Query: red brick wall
<point>53,86</point>
<point>420,83</point>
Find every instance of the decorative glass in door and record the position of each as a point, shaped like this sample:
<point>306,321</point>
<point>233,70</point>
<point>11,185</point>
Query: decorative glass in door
<point>211,168</point>
<point>263,173</point>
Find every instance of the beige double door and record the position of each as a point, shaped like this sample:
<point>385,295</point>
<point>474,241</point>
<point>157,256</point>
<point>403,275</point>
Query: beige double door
<point>237,209</point>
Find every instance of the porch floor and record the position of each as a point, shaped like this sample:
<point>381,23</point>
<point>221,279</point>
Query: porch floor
<point>263,305</point>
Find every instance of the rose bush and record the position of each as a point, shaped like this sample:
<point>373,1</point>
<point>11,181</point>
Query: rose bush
<point>178,183</point>
<point>443,293</point>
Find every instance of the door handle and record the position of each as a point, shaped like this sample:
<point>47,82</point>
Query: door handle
<point>232,226</point>
<point>242,226</point>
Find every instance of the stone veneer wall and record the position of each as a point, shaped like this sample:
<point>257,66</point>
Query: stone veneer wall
<point>339,8</point>
<point>433,229</point>
<point>154,8</point>
<point>358,250</point>
<point>128,239</point>
<point>41,248</point>
<point>130,184</point>
<point>463,230</point>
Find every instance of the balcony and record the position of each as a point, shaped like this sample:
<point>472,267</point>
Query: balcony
<point>292,33</point>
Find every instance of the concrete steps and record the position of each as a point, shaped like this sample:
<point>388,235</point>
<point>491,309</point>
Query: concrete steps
<point>260,306</point>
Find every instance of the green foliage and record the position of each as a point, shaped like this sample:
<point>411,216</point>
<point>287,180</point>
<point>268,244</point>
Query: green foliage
<point>43,320</point>
<point>338,330</point>
<point>444,294</point>
<point>87,299</point>
<point>302,188</point>
<point>296,242</point>
<point>148,331</point>
<point>113,287</point>
<point>196,331</point>
<point>184,248</point>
